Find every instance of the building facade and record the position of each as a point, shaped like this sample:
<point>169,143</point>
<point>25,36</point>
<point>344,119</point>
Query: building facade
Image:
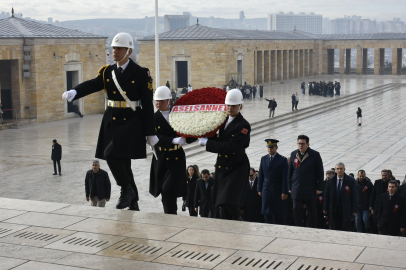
<point>38,62</point>
<point>281,22</point>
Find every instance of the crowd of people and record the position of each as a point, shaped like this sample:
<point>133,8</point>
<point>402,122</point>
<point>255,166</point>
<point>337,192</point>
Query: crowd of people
<point>286,190</point>
<point>322,88</point>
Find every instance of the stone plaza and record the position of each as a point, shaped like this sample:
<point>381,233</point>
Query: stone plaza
<point>46,222</point>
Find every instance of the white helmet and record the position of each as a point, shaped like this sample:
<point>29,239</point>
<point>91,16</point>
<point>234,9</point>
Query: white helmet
<point>234,97</point>
<point>162,93</point>
<point>123,40</point>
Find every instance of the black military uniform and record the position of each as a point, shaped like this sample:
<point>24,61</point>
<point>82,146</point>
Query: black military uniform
<point>167,175</point>
<point>122,132</point>
<point>232,166</point>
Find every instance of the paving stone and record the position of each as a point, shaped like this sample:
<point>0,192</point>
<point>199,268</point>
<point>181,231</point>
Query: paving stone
<point>108,263</point>
<point>311,263</point>
<point>35,206</point>
<point>7,228</point>
<point>85,242</point>
<point>383,257</point>
<point>222,240</point>
<point>36,236</point>
<point>9,263</point>
<point>45,220</point>
<point>31,253</point>
<point>138,230</point>
<point>195,256</point>
<point>6,213</point>
<point>138,249</point>
<point>314,249</point>
<point>46,266</point>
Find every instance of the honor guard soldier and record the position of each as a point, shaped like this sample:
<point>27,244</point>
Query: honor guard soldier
<point>273,184</point>
<point>126,126</point>
<point>168,165</point>
<point>232,165</point>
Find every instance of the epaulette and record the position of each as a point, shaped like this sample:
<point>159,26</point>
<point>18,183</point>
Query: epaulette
<point>265,156</point>
<point>100,70</point>
<point>283,156</point>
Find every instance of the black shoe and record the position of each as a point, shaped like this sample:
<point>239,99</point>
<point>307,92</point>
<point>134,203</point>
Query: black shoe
<point>127,194</point>
<point>134,205</point>
<point>55,174</point>
<point>60,174</point>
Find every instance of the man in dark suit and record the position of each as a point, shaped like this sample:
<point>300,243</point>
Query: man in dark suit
<point>340,200</point>
<point>392,212</point>
<point>203,195</point>
<point>167,176</point>
<point>56,156</point>
<point>272,106</point>
<point>273,184</point>
<point>380,187</point>
<point>253,202</point>
<point>305,180</point>
<point>126,126</point>
<point>232,166</point>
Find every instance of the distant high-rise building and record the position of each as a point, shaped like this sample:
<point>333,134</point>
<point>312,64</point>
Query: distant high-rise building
<point>326,26</point>
<point>49,20</point>
<point>340,26</point>
<point>306,22</point>
<point>173,22</point>
<point>242,17</point>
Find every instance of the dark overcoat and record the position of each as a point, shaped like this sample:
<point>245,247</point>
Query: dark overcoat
<point>305,177</point>
<point>364,194</point>
<point>379,188</point>
<point>103,185</point>
<point>348,196</point>
<point>253,204</point>
<point>203,196</point>
<point>189,194</point>
<point>232,165</point>
<point>56,152</point>
<point>122,127</point>
<point>171,158</point>
<point>273,181</point>
<point>392,213</point>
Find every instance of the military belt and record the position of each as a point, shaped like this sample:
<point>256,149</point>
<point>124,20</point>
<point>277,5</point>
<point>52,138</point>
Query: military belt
<point>123,104</point>
<point>176,147</point>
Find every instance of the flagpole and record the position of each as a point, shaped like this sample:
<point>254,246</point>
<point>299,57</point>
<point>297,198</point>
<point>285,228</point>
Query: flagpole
<point>156,46</point>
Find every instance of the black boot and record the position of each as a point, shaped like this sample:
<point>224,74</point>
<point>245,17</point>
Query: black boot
<point>134,205</point>
<point>126,196</point>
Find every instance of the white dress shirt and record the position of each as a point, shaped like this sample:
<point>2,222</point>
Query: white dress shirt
<point>230,119</point>
<point>165,114</point>
<point>252,182</point>
<point>124,66</point>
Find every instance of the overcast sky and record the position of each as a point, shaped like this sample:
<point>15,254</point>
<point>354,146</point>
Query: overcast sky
<point>63,10</point>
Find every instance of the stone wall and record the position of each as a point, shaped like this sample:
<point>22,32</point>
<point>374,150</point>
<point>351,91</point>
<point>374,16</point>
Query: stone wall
<point>42,91</point>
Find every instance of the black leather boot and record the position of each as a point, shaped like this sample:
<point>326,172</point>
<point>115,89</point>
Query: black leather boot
<point>134,205</point>
<point>126,196</point>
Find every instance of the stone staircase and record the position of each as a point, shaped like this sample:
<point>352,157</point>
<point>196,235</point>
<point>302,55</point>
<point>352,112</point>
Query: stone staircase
<point>8,124</point>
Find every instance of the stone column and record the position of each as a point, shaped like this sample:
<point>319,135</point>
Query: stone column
<point>285,65</point>
<point>301,63</point>
<point>396,61</point>
<point>381,61</point>
<point>364,61</point>
<point>273,65</point>
<point>266,66</point>
<point>348,61</point>
<point>279,65</point>
<point>291,67</point>
<point>259,67</point>
<point>296,63</point>
<point>341,62</point>
<point>311,62</point>
<point>376,61</point>
<point>306,62</point>
<point>359,61</point>
<point>262,66</point>
<point>255,67</point>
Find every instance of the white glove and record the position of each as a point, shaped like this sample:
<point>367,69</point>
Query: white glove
<point>69,95</point>
<point>180,140</point>
<point>203,141</point>
<point>152,140</point>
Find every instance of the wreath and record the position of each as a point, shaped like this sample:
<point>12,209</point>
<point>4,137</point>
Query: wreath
<point>199,113</point>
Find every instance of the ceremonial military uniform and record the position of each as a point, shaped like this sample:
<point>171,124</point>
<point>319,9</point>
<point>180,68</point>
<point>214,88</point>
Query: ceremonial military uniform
<point>273,182</point>
<point>122,132</point>
<point>167,175</point>
<point>232,166</point>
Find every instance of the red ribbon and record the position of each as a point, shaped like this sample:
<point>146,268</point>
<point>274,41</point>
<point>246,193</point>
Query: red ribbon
<point>347,188</point>
<point>365,189</point>
<point>296,162</point>
<point>395,209</point>
<point>320,199</point>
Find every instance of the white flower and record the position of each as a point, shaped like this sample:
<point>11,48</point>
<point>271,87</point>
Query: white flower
<point>196,123</point>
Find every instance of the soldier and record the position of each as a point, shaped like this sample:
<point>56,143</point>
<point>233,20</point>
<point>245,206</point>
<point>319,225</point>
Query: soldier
<point>126,126</point>
<point>273,184</point>
<point>168,167</point>
<point>232,166</point>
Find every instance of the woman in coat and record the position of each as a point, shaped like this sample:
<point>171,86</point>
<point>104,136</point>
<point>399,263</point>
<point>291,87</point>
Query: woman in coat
<point>188,199</point>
